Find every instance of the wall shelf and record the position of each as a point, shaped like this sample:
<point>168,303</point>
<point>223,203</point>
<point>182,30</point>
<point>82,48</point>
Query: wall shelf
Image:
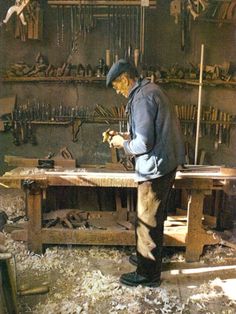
<point>100,3</point>
<point>215,20</point>
<point>212,83</point>
<point>71,79</point>
<point>61,79</point>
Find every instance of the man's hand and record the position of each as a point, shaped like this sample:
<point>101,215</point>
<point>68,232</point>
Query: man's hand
<point>117,141</point>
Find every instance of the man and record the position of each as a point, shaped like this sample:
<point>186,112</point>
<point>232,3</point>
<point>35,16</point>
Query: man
<point>155,141</point>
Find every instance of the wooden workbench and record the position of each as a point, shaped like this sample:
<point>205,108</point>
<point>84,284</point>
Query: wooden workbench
<point>191,234</point>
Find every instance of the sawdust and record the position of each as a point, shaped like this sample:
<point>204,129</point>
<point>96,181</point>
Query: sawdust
<point>12,202</point>
<point>86,280</point>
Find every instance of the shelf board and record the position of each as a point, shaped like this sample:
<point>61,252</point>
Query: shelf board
<point>93,79</point>
<point>100,3</point>
<point>216,20</point>
<point>195,82</point>
<point>48,79</point>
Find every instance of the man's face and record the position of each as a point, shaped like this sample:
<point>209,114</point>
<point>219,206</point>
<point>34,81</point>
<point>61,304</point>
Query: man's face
<point>121,85</point>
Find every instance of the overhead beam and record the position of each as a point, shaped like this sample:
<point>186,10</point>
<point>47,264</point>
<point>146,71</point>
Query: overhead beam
<point>102,3</point>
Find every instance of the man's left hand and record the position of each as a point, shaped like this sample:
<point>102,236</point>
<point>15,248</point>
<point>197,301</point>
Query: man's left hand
<point>117,141</point>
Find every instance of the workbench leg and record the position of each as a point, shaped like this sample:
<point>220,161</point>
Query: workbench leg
<point>34,205</point>
<point>121,211</point>
<point>195,232</point>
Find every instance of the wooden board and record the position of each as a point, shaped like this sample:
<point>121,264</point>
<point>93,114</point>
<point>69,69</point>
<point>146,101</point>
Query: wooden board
<point>18,161</point>
<point>7,105</point>
<point>98,3</point>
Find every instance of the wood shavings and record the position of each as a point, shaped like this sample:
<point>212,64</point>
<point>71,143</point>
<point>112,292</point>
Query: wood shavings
<point>85,280</point>
<point>12,202</point>
<point>217,254</point>
<point>205,296</point>
<point>80,286</point>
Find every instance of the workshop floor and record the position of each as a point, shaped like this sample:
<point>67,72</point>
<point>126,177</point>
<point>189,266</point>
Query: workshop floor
<point>86,279</point>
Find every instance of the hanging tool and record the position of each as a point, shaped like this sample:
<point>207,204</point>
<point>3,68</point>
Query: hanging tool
<point>136,36</point>
<point>196,7</point>
<point>183,25</point>
<point>58,27</point>
<point>18,9</point>
<point>175,9</point>
<point>142,29</point>
<point>199,104</point>
<point>108,51</point>
<point>62,24</point>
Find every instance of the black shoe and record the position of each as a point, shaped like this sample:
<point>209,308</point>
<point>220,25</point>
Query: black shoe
<point>133,259</point>
<point>133,279</point>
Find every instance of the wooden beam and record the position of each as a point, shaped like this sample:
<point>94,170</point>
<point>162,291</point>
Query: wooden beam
<point>18,161</point>
<point>100,3</point>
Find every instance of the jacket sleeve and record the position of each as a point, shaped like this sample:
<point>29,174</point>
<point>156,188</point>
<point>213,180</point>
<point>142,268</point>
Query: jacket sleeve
<point>144,111</point>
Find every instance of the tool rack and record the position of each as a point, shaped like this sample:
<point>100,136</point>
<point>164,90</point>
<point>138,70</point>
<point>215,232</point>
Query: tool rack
<point>102,3</point>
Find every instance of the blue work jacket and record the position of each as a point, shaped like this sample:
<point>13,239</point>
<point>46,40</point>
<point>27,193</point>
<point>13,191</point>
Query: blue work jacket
<point>156,138</point>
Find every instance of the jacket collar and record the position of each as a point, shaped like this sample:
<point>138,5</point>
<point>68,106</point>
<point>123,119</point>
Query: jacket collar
<point>139,83</point>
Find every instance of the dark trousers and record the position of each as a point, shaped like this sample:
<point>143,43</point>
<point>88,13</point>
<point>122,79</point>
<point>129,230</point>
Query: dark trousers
<point>152,202</point>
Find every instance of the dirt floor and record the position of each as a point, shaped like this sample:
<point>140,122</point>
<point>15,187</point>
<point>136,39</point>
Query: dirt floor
<point>86,279</point>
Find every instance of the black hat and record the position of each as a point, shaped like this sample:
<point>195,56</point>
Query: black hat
<point>116,70</point>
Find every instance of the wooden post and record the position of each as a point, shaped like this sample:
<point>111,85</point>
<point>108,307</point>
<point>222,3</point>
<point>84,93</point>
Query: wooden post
<point>199,105</point>
<point>194,243</point>
<point>34,206</point>
<point>8,285</point>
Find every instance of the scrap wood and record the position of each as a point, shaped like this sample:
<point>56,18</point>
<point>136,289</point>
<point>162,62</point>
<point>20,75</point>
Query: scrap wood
<point>128,225</point>
<point>62,213</point>
<point>19,161</point>
<point>67,218</point>
<point>228,244</point>
<point>225,242</point>
<point>7,105</point>
<point>168,223</point>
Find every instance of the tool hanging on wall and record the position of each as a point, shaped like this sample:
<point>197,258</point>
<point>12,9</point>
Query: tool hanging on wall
<point>196,7</point>
<point>29,19</point>
<point>126,23</point>
<point>17,8</point>
<point>199,103</point>
<point>214,123</point>
<point>175,9</point>
<point>142,29</point>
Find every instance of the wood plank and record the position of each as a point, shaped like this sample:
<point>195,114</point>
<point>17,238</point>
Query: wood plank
<point>85,180</point>
<point>98,3</point>
<point>20,235</point>
<point>34,212</point>
<point>18,161</point>
<point>7,104</point>
<point>94,237</point>
<point>193,183</point>
<point>14,183</point>
<point>172,236</point>
<point>9,286</point>
<point>92,214</point>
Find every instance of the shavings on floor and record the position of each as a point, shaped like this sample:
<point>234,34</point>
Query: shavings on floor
<point>217,254</point>
<point>86,280</point>
<point>203,298</point>
<point>12,202</point>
